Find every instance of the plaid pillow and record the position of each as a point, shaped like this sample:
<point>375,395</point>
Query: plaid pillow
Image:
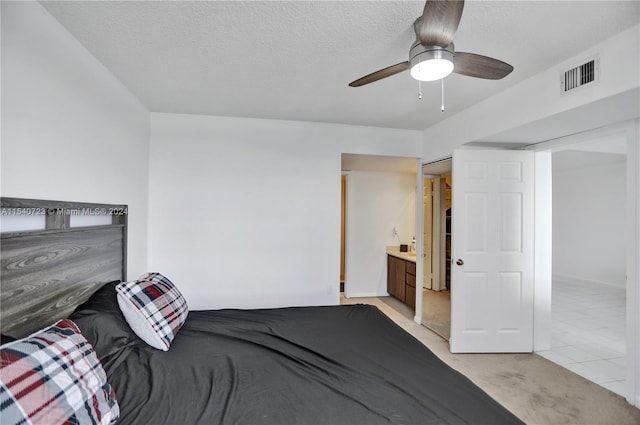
<point>54,377</point>
<point>154,308</point>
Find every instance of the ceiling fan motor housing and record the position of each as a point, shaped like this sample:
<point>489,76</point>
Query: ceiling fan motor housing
<point>420,53</point>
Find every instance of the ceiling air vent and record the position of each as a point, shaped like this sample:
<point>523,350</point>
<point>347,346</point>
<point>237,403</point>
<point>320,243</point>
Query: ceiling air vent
<point>579,76</point>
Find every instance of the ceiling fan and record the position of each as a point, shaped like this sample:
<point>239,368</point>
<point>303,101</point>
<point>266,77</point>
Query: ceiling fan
<point>433,57</point>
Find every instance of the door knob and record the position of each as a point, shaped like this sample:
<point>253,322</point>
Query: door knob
<point>459,262</point>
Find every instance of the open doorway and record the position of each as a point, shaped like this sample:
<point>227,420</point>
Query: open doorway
<point>380,196</point>
<point>436,295</point>
<point>588,311</point>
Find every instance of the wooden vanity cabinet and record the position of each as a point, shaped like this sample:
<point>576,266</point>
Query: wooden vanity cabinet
<point>401,280</point>
<point>410,285</point>
<point>396,271</point>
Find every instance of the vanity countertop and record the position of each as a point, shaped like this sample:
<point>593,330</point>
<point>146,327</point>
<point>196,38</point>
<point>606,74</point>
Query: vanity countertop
<point>395,251</point>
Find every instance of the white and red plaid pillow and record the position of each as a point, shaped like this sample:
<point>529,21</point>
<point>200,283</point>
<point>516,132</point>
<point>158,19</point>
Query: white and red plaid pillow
<point>154,308</point>
<point>54,377</point>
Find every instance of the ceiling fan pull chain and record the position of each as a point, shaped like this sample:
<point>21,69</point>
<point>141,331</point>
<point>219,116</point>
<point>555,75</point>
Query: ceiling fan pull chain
<point>419,89</point>
<point>442,86</point>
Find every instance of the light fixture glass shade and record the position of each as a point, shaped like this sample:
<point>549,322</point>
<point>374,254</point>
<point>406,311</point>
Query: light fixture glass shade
<point>432,69</point>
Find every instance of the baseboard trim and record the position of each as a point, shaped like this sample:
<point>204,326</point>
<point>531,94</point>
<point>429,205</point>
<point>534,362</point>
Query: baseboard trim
<point>579,279</point>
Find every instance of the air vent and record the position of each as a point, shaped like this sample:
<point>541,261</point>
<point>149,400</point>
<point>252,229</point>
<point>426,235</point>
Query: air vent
<point>579,76</point>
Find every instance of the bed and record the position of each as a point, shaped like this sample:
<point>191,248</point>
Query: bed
<point>299,365</point>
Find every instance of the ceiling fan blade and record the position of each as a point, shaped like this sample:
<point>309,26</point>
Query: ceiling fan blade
<point>379,75</point>
<point>480,66</point>
<point>440,20</point>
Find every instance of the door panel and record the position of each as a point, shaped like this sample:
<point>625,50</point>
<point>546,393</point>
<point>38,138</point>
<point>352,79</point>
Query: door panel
<point>492,270</point>
<point>476,223</point>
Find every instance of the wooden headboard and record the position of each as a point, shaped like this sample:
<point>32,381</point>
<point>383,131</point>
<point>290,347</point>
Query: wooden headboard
<point>45,274</point>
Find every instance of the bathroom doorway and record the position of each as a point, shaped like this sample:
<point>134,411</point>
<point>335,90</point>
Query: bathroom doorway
<point>436,295</point>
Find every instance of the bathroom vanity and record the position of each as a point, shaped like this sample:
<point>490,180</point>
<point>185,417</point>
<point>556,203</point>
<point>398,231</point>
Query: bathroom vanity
<point>401,276</point>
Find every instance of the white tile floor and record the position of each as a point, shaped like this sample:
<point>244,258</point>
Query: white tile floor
<point>588,331</point>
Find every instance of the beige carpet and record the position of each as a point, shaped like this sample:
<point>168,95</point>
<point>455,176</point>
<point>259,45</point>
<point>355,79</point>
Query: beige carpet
<point>533,388</point>
<point>436,312</point>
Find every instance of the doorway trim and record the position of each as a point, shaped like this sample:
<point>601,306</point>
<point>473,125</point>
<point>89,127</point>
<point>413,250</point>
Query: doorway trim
<point>419,243</point>
<point>343,229</point>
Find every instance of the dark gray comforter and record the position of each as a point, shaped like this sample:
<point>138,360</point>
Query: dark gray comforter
<point>309,365</point>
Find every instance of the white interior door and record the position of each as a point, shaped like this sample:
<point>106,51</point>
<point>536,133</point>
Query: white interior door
<point>492,251</point>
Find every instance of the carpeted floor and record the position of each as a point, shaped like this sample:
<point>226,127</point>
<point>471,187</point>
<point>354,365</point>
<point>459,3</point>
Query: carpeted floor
<point>436,312</point>
<point>535,389</point>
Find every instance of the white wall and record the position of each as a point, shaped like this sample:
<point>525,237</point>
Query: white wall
<point>245,212</point>
<point>376,202</point>
<point>589,222</point>
<point>70,130</point>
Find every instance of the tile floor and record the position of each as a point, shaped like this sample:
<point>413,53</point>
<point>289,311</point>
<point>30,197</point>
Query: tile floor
<point>588,331</point>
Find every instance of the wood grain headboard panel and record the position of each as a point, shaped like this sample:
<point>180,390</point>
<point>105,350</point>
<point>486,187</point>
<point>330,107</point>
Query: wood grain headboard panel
<point>46,274</point>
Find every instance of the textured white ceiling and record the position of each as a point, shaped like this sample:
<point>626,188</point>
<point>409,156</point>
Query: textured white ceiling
<point>292,60</point>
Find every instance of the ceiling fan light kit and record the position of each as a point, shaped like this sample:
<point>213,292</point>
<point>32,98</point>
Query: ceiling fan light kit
<point>430,63</point>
